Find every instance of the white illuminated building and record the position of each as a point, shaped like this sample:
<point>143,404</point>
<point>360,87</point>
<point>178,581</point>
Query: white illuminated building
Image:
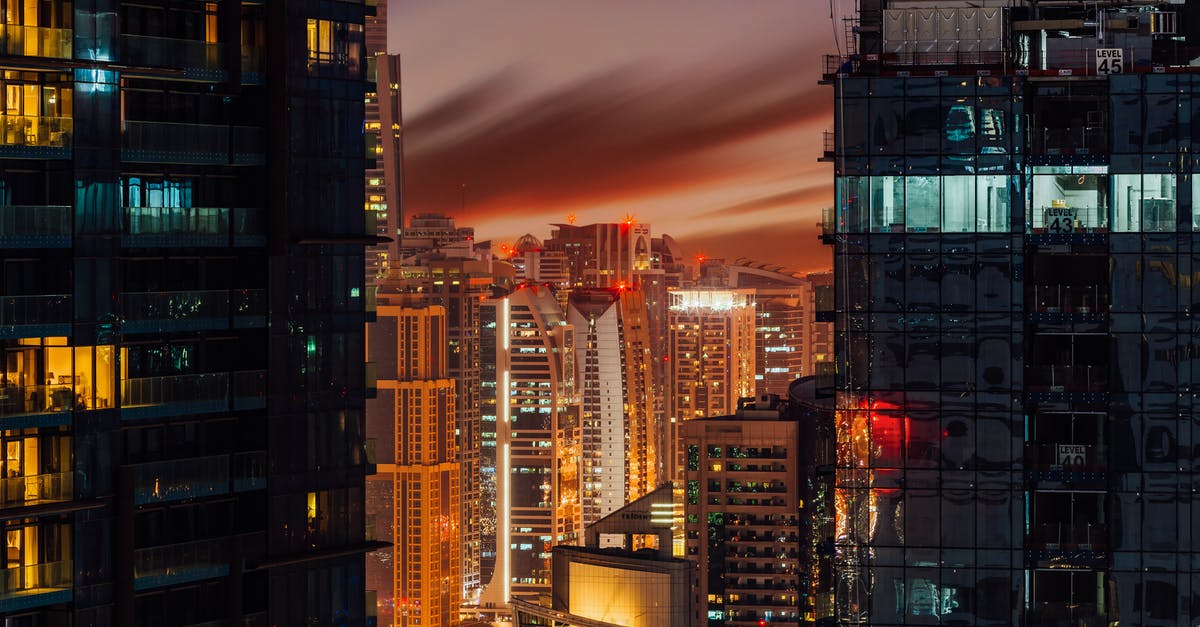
<point>711,363</point>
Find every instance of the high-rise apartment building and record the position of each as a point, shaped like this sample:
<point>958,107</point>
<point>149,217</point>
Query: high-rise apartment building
<point>613,372</point>
<point>536,440</point>
<point>711,357</point>
<point>181,318</point>
<point>431,231</point>
<point>603,255</point>
<point>742,508</point>
<point>382,128</point>
<point>1015,221</point>
<point>416,492</point>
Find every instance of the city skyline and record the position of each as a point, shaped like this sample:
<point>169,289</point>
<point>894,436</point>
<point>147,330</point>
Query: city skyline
<point>708,127</point>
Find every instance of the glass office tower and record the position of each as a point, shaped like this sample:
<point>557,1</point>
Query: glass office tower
<point>1015,240</point>
<point>182,310</point>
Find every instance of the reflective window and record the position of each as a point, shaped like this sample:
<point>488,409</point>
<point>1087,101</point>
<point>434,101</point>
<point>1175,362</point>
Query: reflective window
<point>1065,200</point>
<point>1144,202</point>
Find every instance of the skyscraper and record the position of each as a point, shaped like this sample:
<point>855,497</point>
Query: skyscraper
<point>418,481</point>
<point>711,358</point>
<point>613,371</point>
<point>537,440</point>
<point>742,507</point>
<point>602,255</point>
<point>1014,224</point>
<point>384,181</point>
<point>182,311</point>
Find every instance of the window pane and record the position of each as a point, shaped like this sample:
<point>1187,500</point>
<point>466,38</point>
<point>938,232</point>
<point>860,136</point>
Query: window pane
<point>923,194</point>
<point>887,202</point>
<point>992,204</point>
<point>958,209</point>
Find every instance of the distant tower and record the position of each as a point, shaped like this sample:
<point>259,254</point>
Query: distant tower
<point>383,128</point>
<point>612,367</point>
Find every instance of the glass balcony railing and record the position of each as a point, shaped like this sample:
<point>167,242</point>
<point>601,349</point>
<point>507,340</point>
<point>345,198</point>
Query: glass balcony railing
<point>249,470</point>
<point>249,227</point>
<point>250,388</point>
<point>32,400</point>
<point>25,224</point>
<point>38,578</point>
<point>46,309</point>
<point>36,41</point>
<point>175,142</point>
<point>247,302</point>
<point>1082,299</point>
<point>193,391</point>
<point>1072,140</point>
<point>179,479</point>
<point>32,489</point>
<point>170,52</point>
<point>174,311</point>
<point>35,131</point>
<point>194,226</point>
<point>173,563</point>
<point>1079,378</point>
<point>1070,536</point>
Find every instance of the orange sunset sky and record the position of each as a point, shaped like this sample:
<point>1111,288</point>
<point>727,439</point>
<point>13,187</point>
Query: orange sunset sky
<point>701,117</point>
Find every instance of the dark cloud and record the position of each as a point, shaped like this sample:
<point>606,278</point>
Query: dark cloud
<point>804,197</point>
<point>606,137</point>
<point>794,244</point>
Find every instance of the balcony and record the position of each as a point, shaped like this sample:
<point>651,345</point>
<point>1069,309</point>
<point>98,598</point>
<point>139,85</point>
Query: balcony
<point>158,566</point>
<point>829,145</point>
<point>34,489</point>
<point>35,226</point>
<point>152,397</point>
<point>35,316</point>
<point>198,59</point>
<point>249,471</point>
<point>1083,382</point>
<point>1071,140</point>
<point>1069,545</point>
<point>163,312</point>
<point>28,406</point>
<point>1069,303</point>
<point>1066,614</point>
<point>36,41</point>
<point>173,142</point>
<point>249,308</point>
<point>26,587</point>
<point>165,227</point>
<point>35,137</point>
<point>181,479</point>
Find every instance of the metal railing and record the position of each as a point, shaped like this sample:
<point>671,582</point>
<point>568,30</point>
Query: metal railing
<point>170,52</point>
<point>35,220</point>
<point>179,479</point>
<point>24,579</point>
<point>36,130</point>
<point>829,142</point>
<point>36,41</point>
<point>828,220</point>
<point>1074,140</point>
<point>1083,299</point>
<point>56,486</point>
<point>249,470</point>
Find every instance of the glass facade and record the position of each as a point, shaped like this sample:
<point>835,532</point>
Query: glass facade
<point>181,314</point>
<point>1014,284</point>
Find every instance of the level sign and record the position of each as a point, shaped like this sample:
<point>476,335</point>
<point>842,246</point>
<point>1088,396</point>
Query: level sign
<point>1110,61</point>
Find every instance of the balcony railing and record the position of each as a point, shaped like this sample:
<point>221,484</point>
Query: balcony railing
<point>31,489</point>
<point>170,52</point>
<point>37,578</point>
<point>28,225</point>
<point>175,389</point>
<point>1075,140</point>
<point>193,226</point>
<point>175,311</point>
<point>31,400</point>
<point>177,563</point>
<point>35,131</point>
<point>1070,536</point>
<point>36,41</point>
<point>179,479</point>
<point>174,142</point>
<point>1066,613</point>
<point>1082,299</point>
<point>249,389</point>
<point>1080,378</point>
<point>34,311</point>
<point>249,470</point>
